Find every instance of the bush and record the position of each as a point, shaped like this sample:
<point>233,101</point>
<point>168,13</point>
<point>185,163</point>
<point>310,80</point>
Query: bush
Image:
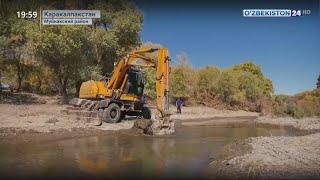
<point>150,83</point>
<point>252,86</point>
<point>228,87</point>
<point>40,80</point>
<point>179,85</point>
<point>207,84</point>
<point>241,87</point>
<point>306,104</point>
<point>183,79</point>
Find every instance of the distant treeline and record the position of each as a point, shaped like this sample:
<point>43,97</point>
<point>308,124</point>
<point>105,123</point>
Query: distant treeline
<point>241,87</point>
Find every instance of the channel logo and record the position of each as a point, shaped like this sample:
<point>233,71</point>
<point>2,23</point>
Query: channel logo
<point>274,12</point>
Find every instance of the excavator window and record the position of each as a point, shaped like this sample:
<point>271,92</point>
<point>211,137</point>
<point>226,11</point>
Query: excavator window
<point>135,83</point>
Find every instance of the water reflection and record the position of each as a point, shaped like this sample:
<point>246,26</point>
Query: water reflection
<point>186,153</point>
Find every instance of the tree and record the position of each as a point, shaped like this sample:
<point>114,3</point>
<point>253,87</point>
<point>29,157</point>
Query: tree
<point>2,49</point>
<point>40,79</point>
<point>17,50</point>
<point>253,72</point>
<point>116,32</point>
<point>182,78</point>
<point>228,86</point>
<point>65,50</point>
<point>150,73</point>
<point>150,83</point>
<point>207,81</point>
<point>249,67</point>
<point>252,86</point>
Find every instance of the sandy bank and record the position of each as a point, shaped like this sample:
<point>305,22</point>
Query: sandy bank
<point>26,117</point>
<point>277,157</point>
<point>31,112</point>
<point>44,117</point>
<point>283,157</point>
<point>308,123</point>
<point>47,118</point>
<point>203,112</point>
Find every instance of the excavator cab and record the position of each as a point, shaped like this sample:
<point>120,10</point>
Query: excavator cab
<point>135,83</point>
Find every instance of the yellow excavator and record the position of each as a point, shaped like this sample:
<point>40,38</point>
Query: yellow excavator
<point>122,94</point>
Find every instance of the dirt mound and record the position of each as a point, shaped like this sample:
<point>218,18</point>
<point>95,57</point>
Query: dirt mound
<point>143,126</point>
<point>156,127</point>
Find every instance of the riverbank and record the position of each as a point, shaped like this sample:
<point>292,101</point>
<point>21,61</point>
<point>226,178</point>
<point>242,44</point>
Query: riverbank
<point>46,122</point>
<point>26,117</point>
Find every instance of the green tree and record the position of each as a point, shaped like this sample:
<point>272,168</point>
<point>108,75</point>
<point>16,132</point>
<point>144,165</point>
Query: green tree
<point>182,78</point>
<point>3,45</point>
<point>150,74</point>
<point>250,68</point>
<point>150,83</point>
<point>252,86</point>
<point>17,51</point>
<point>116,32</point>
<point>208,78</point>
<point>228,87</point>
<point>2,61</point>
<point>253,77</point>
<point>65,50</point>
<point>40,79</point>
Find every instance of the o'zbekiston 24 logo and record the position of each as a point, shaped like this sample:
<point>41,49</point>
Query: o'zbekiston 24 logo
<point>267,13</point>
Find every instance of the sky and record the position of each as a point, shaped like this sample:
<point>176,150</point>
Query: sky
<point>216,33</point>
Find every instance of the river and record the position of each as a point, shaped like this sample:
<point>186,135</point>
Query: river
<point>187,153</point>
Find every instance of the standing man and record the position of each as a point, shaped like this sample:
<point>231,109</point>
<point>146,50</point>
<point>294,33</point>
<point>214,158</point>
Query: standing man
<point>179,103</point>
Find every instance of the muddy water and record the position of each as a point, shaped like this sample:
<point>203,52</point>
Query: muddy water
<point>187,153</point>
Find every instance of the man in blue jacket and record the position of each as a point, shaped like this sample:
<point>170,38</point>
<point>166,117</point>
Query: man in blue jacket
<point>179,104</point>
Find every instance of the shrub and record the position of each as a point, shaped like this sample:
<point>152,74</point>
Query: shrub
<point>228,87</point>
<point>207,83</point>
<point>183,79</point>
<point>305,104</point>
<point>150,83</point>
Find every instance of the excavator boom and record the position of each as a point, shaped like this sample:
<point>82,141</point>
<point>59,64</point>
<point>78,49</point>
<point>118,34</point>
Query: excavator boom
<point>162,81</point>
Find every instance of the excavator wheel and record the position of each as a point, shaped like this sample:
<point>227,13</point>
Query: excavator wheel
<point>112,114</point>
<point>146,113</point>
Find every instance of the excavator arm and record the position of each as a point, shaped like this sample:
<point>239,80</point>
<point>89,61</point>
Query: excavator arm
<point>162,81</point>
